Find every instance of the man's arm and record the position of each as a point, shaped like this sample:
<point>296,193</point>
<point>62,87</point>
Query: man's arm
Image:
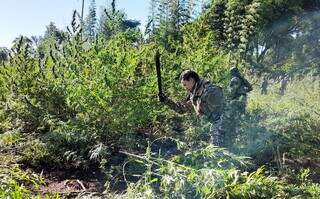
<point>179,107</point>
<point>234,86</point>
<point>248,85</point>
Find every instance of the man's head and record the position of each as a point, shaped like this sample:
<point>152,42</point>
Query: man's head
<point>188,79</point>
<point>234,72</point>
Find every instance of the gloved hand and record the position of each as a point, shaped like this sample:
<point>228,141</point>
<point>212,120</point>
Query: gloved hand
<point>162,97</point>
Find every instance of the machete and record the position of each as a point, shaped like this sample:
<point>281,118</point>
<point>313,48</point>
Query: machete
<point>157,61</point>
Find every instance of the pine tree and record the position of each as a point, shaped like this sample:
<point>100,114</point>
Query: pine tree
<point>113,21</point>
<point>52,37</point>
<point>91,21</point>
<point>109,22</point>
<point>4,54</point>
<point>152,19</point>
<point>170,16</point>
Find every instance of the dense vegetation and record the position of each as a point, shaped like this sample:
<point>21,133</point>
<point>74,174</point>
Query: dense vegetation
<point>85,99</point>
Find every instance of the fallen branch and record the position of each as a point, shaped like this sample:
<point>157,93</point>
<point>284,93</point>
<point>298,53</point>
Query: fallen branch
<point>82,186</point>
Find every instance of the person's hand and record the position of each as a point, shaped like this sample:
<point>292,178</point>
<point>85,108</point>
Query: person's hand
<point>162,97</point>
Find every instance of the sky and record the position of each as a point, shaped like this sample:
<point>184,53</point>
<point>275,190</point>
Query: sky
<point>30,17</point>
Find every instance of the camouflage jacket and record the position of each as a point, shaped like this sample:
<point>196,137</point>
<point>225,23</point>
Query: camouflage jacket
<point>206,99</point>
<point>239,86</point>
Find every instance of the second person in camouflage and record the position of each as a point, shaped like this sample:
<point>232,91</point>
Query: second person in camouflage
<point>239,87</point>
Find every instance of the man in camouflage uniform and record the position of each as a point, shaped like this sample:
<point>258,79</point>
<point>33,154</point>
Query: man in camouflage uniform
<point>239,87</point>
<point>283,85</point>
<point>264,86</point>
<point>206,99</point>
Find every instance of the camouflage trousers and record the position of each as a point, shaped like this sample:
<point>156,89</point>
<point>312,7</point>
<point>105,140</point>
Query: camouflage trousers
<point>217,133</point>
<point>224,131</point>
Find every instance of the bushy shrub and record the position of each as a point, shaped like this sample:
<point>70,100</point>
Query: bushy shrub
<point>16,183</point>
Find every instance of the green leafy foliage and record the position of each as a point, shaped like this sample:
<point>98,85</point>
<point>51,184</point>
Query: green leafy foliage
<point>76,101</point>
<point>16,183</point>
